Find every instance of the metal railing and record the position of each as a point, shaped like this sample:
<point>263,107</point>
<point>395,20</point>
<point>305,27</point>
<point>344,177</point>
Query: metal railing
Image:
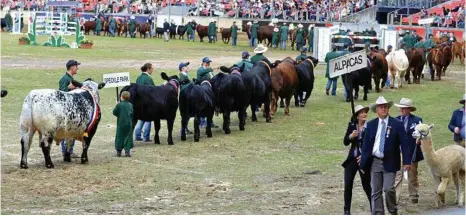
<point>371,12</point>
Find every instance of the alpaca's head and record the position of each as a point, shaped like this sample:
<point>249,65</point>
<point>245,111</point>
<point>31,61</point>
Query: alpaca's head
<point>422,131</point>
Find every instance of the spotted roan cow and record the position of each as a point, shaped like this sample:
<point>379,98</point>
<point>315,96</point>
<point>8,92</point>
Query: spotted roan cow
<point>57,116</point>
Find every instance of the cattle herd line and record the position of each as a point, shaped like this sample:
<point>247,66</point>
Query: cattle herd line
<point>59,116</point>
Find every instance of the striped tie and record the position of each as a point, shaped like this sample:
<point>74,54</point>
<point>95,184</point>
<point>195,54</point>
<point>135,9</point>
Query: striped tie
<point>382,137</point>
<point>405,122</point>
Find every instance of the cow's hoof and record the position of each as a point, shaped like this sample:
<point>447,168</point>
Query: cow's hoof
<point>282,105</point>
<point>296,104</point>
<point>301,105</point>
<point>196,140</point>
<point>67,159</point>
<point>183,138</point>
<point>156,141</point>
<point>241,128</point>
<point>364,98</point>
<point>268,120</point>
<point>254,119</point>
<point>227,131</point>
<point>84,160</point>
<point>23,166</point>
<point>50,166</point>
<point>209,135</point>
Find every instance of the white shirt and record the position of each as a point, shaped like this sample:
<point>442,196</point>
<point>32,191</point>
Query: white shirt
<point>375,150</point>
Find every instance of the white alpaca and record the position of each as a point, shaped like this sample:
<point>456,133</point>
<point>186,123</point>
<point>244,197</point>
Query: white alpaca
<point>445,164</point>
<point>397,65</point>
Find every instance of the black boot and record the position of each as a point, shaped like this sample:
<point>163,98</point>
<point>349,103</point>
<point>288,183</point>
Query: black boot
<point>127,154</point>
<point>118,153</point>
<point>347,212</point>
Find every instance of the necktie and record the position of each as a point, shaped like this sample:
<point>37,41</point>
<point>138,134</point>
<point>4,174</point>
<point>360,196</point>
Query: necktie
<point>405,122</point>
<point>382,137</point>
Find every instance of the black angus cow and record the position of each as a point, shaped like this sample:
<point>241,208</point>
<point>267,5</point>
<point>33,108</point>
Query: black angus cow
<point>153,103</point>
<point>180,31</point>
<point>3,23</point>
<point>361,77</point>
<point>306,79</point>
<point>230,96</point>
<point>159,32</point>
<point>4,92</point>
<point>258,86</point>
<point>197,100</point>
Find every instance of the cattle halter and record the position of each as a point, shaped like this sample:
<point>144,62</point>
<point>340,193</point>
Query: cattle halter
<point>205,81</point>
<point>174,83</point>
<point>270,69</point>
<point>236,72</point>
<point>312,63</point>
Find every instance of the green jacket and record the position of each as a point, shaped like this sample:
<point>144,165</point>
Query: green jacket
<point>429,43</point>
<point>408,41</point>
<point>98,24</point>
<point>184,78</point>
<point>299,36</point>
<point>112,23</point>
<point>328,57</point>
<point>373,33</point>
<point>275,38</point>
<point>211,30</point>
<point>254,29</point>
<point>204,73</point>
<point>132,25</point>
<point>284,33</point>
<point>257,57</point>
<point>234,31</point>
<point>189,28</point>
<point>124,133</point>
<point>419,44</point>
<point>452,39</point>
<point>301,57</point>
<point>344,52</point>
<point>248,63</point>
<point>145,79</point>
<point>64,82</point>
<point>8,19</point>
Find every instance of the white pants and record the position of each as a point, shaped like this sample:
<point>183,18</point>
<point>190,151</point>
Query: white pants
<point>165,35</point>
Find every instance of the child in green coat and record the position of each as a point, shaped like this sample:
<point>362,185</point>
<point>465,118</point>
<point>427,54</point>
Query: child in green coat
<point>124,134</point>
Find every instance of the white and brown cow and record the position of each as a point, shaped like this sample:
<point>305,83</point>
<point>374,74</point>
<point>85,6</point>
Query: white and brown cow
<point>58,116</point>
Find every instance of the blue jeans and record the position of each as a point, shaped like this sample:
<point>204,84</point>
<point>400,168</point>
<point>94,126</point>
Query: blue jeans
<point>138,129</point>
<point>8,27</point>
<point>112,31</point>
<point>63,147</point>
<point>334,87</point>
<point>253,42</point>
<point>283,44</point>
<point>132,34</point>
<point>233,41</point>
<point>387,83</point>
<point>204,122</point>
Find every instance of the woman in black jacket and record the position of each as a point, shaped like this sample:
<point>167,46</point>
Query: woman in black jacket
<point>354,136</point>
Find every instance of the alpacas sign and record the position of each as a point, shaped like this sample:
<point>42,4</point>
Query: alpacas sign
<point>347,63</point>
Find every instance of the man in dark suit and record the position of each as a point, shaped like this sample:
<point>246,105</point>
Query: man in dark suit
<point>409,123</point>
<point>457,123</point>
<point>384,136</point>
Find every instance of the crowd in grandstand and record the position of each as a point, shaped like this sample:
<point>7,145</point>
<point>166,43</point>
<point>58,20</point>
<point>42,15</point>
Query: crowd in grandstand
<point>315,10</point>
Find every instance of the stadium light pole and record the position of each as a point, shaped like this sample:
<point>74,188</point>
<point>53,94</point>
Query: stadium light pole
<point>169,10</point>
<point>273,9</point>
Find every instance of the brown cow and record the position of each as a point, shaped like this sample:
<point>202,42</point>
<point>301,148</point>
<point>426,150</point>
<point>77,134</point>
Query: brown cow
<point>448,56</point>
<point>284,82</point>
<point>379,69</point>
<point>88,26</point>
<point>435,58</point>
<point>458,52</point>
<point>265,33</point>
<point>143,28</point>
<point>416,64</point>
<point>202,31</point>
<point>246,29</point>
<point>226,35</point>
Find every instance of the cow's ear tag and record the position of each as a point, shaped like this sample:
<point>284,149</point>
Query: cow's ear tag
<point>85,134</point>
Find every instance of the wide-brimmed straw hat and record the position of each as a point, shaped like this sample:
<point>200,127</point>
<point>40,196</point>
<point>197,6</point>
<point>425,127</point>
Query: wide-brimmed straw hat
<point>255,21</point>
<point>260,49</point>
<point>462,100</point>
<point>380,101</point>
<point>406,103</point>
<point>275,29</point>
<point>300,25</point>
<point>132,17</point>
<point>359,108</point>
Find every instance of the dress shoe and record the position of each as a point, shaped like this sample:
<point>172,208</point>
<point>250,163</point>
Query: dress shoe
<point>347,212</point>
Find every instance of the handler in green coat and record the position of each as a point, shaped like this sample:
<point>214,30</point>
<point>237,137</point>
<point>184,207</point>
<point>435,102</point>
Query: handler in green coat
<point>98,26</point>
<point>254,28</point>
<point>211,31</point>
<point>419,44</point>
<point>124,134</point>
<point>452,38</point>
<point>190,30</point>
<point>302,56</point>
<point>259,50</point>
<point>234,34</point>
<point>311,38</point>
<point>144,79</point>
<point>205,72</point>
<point>299,34</point>
<point>8,21</point>
<point>65,84</point>
<point>283,36</point>
<point>112,24</point>
<point>245,60</point>
<point>332,82</point>
<point>275,36</point>
<point>429,43</point>
<point>132,27</point>
<point>408,40</point>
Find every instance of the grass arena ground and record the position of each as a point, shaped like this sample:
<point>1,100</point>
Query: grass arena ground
<point>258,171</point>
